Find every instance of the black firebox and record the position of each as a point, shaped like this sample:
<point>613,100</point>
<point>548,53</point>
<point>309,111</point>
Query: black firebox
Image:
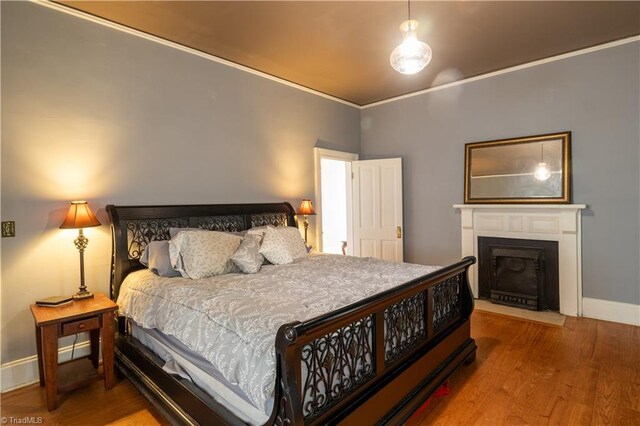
<point>522,273</point>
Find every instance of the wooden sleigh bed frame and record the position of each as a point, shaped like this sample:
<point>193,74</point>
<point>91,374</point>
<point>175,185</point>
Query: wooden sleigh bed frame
<point>372,362</point>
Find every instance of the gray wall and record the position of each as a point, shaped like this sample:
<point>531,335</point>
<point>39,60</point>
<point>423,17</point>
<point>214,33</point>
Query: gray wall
<point>595,95</point>
<point>93,113</point>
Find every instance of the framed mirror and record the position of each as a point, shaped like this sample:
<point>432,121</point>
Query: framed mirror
<point>528,170</point>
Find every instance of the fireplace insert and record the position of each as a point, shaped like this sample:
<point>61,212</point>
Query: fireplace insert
<point>517,272</point>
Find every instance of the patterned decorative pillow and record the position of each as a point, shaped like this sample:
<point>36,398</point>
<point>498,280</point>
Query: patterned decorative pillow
<point>259,230</point>
<point>283,245</point>
<point>156,257</point>
<point>248,257</point>
<point>197,254</point>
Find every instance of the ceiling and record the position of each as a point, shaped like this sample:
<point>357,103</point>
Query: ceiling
<point>342,48</point>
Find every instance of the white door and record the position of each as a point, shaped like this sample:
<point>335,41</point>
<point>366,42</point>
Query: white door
<point>377,209</point>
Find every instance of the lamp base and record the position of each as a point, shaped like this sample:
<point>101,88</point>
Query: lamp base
<point>82,294</point>
<point>306,227</point>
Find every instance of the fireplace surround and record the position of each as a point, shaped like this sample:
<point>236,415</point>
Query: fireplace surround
<point>552,222</point>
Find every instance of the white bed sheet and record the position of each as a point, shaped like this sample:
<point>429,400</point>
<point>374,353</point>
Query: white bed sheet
<point>232,320</point>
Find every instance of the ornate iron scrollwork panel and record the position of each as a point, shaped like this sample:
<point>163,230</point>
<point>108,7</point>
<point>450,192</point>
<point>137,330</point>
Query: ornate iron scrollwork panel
<point>335,365</point>
<point>404,326</point>
<point>446,302</point>
<point>282,418</point>
<point>274,219</point>
<point>141,232</point>
<point>231,223</point>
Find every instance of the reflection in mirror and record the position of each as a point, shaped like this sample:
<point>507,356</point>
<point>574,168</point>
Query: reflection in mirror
<point>518,170</point>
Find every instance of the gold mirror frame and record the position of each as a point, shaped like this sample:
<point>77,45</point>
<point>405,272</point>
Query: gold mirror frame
<point>515,180</point>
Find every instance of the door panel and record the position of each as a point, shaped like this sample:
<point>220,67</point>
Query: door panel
<point>389,250</point>
<point>367,197</point>
<point>377,207</point>
<point>367,248</point>
<point>389,186</point>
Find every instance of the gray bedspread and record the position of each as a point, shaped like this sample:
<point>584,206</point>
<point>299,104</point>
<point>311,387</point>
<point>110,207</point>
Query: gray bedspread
<point>232,319</point>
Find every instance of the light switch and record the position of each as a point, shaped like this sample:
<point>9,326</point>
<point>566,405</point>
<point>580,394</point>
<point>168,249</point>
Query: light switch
<point>8,229</point>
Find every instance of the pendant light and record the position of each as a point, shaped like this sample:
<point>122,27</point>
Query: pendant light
<point>412,55</point>
<point>542,171</point>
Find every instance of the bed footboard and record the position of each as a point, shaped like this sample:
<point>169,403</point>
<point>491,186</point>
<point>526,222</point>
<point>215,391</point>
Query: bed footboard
<point>377,360</point>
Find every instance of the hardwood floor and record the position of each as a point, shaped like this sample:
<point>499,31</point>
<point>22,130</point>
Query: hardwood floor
<point>88,406</point>
<point>585,373</point>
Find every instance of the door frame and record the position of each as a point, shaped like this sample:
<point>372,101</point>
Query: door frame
<point>348,157</point>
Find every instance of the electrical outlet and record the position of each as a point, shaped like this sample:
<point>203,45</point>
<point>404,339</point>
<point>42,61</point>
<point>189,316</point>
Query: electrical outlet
<point>8,229</point>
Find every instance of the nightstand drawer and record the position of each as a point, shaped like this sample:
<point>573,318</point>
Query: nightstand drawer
<point>80,326</point>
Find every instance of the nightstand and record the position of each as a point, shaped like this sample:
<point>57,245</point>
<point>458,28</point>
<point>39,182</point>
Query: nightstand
<point>97,316</point>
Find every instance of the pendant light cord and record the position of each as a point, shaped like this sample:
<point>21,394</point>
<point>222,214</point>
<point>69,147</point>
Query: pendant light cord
<point>409,8</point>
<point>542,152</point>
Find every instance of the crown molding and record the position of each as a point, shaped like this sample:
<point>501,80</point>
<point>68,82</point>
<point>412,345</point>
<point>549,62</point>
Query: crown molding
<point>508,70</point>
<point>122,28</point>
<point>109,24</point>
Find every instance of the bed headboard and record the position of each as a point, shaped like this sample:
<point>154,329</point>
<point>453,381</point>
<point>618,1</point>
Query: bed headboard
<point>133,227</point>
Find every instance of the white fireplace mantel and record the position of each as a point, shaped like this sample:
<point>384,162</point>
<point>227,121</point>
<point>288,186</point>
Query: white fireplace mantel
<point>550,222</point>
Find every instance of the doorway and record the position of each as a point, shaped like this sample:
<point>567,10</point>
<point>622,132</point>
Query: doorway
<point>333,198</point>
<point>359,205</point>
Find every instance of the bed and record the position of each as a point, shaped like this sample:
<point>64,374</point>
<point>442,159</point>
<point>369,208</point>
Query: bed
<point>369,360</point>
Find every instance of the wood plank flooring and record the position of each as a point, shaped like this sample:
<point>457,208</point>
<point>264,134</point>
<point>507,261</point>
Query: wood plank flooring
<point>585,373</point>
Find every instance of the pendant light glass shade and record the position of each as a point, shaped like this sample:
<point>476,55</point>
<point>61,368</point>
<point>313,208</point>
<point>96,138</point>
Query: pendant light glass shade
<point>412,55</point>
<point>542,172</point>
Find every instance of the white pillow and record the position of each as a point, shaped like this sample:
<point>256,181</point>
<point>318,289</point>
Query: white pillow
<point>197,254</point>
<point>283,245</point>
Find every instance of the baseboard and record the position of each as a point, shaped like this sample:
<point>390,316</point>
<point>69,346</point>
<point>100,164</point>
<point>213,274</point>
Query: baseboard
<point>625,313</point>
<point>23,372</point>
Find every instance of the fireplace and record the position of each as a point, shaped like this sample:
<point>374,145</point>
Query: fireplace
<point>553,222</point>
<point>519,272</point>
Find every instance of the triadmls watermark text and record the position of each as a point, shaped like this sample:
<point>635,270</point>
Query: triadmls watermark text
<point>24,420</point>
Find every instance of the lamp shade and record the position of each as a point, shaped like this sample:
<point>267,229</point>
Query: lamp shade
<point>306,207</point>
<point>79,216</point>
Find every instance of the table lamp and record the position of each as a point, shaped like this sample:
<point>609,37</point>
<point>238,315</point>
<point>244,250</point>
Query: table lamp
<point>306,209</point>
<point>80,216</point>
